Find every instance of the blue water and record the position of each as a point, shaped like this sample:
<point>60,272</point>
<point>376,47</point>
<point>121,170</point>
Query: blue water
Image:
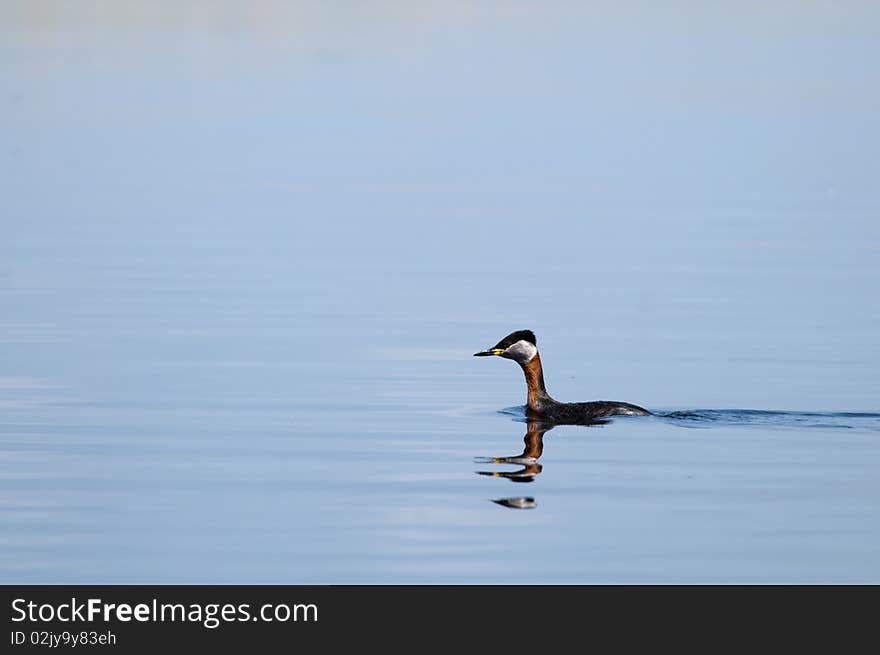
<point>247,255</point>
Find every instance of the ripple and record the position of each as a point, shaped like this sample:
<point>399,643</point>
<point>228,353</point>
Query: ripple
<point>773,418</point>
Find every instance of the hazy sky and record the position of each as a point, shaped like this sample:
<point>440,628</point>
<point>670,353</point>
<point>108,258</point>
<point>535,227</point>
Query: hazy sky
<point>746,103</point>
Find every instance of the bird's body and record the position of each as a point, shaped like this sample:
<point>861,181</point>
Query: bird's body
<point>521,346</point>
<point>578,412</point>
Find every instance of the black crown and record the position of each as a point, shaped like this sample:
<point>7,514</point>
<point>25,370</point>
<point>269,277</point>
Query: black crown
<point>519,335</point>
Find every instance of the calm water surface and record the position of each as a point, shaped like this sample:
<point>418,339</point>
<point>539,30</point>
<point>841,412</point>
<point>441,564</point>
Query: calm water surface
<point>247,256</point>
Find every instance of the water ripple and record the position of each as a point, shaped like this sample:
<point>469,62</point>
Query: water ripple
<point>773,418</point>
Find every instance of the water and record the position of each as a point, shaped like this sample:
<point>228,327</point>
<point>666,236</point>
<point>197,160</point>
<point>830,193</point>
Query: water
<point>247,257</point>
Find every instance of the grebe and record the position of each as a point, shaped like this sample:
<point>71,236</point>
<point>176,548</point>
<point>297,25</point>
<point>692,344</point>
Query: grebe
<point>521,347</point>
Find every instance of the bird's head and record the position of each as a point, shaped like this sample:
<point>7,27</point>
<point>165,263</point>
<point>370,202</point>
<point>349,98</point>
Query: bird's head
<point>520,346</point>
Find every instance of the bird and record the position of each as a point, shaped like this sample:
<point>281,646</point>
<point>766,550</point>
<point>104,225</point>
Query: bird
<point>522,347</point>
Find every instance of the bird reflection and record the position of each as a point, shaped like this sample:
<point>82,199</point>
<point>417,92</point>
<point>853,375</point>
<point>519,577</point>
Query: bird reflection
<point>528,458</point>
<point>517,502</point>
<point>533,447</point>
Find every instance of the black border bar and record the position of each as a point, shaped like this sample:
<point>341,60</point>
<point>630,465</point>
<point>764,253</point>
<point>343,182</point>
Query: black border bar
<point>460,617</point>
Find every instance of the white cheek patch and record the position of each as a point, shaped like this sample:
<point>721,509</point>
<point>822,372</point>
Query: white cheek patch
<point>521,351</point>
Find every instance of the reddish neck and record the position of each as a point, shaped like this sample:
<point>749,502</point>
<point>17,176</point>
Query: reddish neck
<point>535,382</point>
